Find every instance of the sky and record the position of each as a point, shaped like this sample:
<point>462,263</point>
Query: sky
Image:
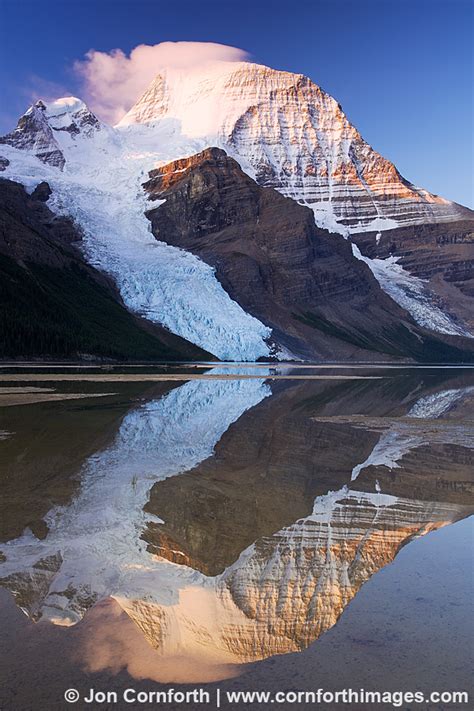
<point>401,69</point>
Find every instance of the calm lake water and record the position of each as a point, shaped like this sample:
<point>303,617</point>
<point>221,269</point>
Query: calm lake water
<point>230,527</point>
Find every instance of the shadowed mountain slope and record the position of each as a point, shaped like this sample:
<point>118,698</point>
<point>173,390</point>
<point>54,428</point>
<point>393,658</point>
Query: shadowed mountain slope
<point>279,266</point>
<point>52,304</point>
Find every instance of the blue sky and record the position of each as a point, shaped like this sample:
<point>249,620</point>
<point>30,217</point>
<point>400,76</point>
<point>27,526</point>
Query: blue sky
<point>402,69</point>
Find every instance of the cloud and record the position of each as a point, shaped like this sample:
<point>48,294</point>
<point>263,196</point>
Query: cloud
<point>113,81</point>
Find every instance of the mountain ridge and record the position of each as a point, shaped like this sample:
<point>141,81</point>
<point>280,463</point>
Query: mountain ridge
<point>248,92</point>
<point>287,134</point>
<point>278,265</point>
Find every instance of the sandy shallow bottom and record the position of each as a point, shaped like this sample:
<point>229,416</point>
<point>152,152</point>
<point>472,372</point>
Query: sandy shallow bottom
<point>28,396</point>
<point>153,377</point>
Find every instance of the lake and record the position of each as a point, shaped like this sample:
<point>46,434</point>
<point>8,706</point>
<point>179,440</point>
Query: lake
<point>235,526</point>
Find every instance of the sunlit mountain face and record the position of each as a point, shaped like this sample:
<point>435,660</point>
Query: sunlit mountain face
<point>232,516</point>
<point>358,262</point>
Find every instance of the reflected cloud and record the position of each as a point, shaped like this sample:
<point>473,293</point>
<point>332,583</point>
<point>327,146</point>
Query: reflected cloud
<point>110,641</point>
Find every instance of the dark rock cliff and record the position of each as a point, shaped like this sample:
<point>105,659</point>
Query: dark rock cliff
<point>278,265</point>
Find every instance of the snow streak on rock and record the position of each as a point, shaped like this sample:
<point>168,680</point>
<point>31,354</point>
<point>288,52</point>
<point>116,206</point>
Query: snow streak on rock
<point>401,438</point>
<point>411,293</point>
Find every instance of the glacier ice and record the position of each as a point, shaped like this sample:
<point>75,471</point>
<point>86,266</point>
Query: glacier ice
<point>283,130</point>
<point>411,293</point>
<point>100,188</point>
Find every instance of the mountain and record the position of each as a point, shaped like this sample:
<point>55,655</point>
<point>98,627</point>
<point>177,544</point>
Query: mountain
<point>293,137</point>
<point>286,134</point>
<point>53,304</point>
<point>273,260</point>
<point>38,127</point>
<point>289,134</point>
<point>33,133</point>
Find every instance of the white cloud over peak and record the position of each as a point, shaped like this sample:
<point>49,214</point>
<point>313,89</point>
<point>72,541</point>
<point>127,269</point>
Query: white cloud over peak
<point>113,81</point>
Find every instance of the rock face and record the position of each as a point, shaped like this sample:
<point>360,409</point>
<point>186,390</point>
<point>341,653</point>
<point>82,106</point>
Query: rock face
<point>53,304</point>
<point>30,231</point>
<point>290,135</point>
<point>33,133</point>
<point>272,259</point>
<point>441,254</point>
<point>287,134</point>
<point>37,130</point>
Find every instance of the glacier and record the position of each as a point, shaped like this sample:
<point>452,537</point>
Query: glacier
<point>100,189</point>
<point>284,131</point>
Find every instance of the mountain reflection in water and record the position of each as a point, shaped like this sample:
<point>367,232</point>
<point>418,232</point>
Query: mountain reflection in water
<point>235,519</point>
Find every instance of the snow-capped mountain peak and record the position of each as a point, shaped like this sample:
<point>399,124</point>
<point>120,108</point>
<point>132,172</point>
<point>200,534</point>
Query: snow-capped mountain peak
<point>282,129</point>
<point>208,99</point>
<point>289,134</point>
<point>46,129</point>
<point>72,115</point>
<point>34,134</point>
<point>64,105</point>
